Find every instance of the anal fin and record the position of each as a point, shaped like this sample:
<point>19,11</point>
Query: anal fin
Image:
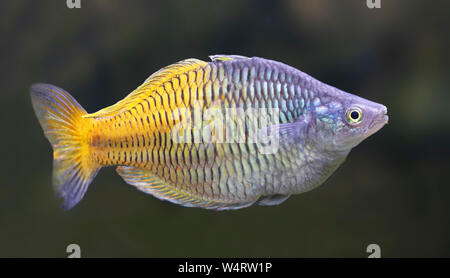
<point>145,181</point>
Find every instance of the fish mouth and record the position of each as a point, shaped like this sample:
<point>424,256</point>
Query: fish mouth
<point>379,122</point>
<point>384,117</point>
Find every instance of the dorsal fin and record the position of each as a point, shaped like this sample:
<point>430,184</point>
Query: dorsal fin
<point>148,87</point>
<point>220,57</point>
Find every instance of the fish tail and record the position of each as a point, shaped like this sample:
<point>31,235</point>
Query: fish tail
<point>60,116</point>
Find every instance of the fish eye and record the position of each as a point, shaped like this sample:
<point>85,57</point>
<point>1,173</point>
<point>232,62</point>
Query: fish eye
<point>354,115</point>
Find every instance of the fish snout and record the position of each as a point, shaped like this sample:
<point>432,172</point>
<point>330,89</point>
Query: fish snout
<point>383,116</point>
<point>379,120</point>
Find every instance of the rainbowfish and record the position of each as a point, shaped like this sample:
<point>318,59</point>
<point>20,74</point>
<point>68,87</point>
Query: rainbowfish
<point>224,134</point>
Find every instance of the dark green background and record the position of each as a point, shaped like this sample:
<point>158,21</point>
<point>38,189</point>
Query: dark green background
<point>393,190</point>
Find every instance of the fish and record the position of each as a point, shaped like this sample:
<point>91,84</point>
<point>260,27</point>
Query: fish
<point>223,134</point>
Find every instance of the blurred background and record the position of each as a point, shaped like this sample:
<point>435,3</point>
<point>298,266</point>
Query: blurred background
<point>393,190</point>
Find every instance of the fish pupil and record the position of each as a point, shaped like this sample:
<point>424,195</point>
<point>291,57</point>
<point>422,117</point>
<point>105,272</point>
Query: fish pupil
<point>354,115</point>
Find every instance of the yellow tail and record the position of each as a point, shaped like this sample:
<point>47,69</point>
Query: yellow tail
<point>60,116</point>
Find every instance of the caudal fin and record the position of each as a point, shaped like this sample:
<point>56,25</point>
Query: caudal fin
<point>60,116</point>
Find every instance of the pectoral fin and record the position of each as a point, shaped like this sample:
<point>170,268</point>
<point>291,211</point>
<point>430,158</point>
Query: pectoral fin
<point>272,200</point>
<point>269,139</point>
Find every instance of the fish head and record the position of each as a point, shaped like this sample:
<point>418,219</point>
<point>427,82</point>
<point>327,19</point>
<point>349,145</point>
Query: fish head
<point>345,120</point>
